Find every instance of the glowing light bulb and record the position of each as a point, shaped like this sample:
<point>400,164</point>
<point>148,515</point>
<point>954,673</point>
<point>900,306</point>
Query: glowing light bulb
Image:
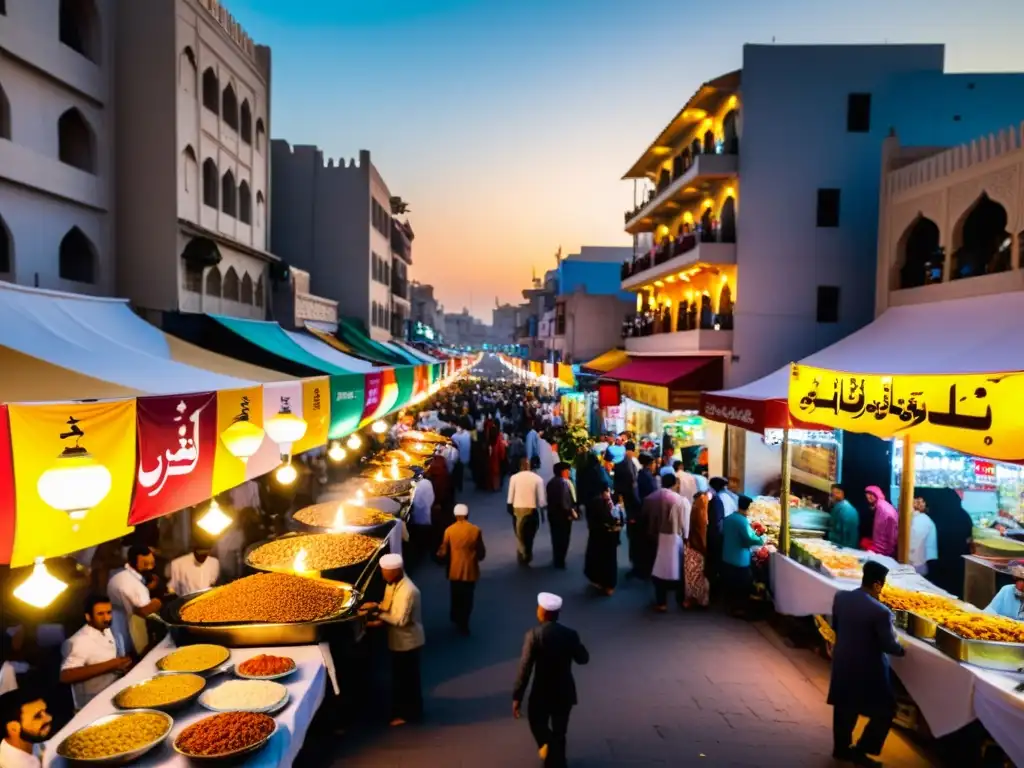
<point>214,521</point>
<point>354,442</point>
<point>41,587</point>
<point>379,477</point>
<point>336,453</point>
<point>242,439</point>
<point>286,474</point>
<point>360,498</point>
<point>379,427</point>
<point>75,484</point>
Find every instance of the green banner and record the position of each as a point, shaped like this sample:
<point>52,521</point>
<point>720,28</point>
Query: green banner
<point>405,377</point>
<point>347,399</point>
<point>435,372</point>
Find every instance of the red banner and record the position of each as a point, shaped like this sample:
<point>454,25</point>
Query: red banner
<point>371,394</point>
<point>177,442</point>
<point>608,394</point>
<point>750,414</point>
<point>7,495</point>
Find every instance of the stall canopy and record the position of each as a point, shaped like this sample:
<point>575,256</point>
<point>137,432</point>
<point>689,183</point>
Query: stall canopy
<point>407,357</point>
<point>324,351</point>
<point>60,346</point>
<point>276,340</point>
<point>668,383</point>
<point>351,334</point>
<point>944,337</point>
<point>609,361</point>
<point>420,357</point>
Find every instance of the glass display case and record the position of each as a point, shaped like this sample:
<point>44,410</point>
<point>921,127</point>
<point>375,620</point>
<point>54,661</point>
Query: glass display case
<point>815,455</point>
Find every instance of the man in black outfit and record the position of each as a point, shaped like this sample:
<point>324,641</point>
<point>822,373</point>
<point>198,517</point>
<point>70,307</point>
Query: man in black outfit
<point>860,683</point>
<point>549,651</point>
<point>561,512</point>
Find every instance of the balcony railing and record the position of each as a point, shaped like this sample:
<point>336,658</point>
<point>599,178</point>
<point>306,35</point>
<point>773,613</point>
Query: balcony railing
<point>670,248</point>
<point>400,286</point>
<point>691,317</point>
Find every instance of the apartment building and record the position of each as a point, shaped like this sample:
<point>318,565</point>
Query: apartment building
<point>57,218</point>
<point>337,222</point>
<point>426,314</point>
<point>193,161</point>
<point>794,139</point>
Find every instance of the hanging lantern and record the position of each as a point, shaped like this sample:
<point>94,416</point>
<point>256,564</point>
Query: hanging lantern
<point>286,474</point>
<point>336,453</point>
<point>242,438</point>
<point>41,587</point>
<point>214,522</point>
<point>284,427</point>
<point>77,482</point>
<point>354,442</point>
<point>379,427</point>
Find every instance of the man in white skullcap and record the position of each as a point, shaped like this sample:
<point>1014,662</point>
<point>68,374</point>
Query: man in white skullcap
<point>463,546</point>
<point>548,653</point>
<point>401,611</point>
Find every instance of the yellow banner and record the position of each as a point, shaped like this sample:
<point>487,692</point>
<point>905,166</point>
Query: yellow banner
<point>975,413</point>
<point>316,410</point>
<point>648,394</point>
<point>229,471</point>
<point>39,434</point>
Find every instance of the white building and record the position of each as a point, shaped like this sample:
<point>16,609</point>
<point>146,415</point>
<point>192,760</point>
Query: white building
<point>193,160</point>
<point>56,147</point>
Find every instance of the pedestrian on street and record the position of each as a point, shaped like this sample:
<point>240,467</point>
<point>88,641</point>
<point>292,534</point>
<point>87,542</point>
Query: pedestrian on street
<point>463,546</point>
<point>561,512</point>
<point>860,683</point>
<point>526,498</point>
<point>667,514</point>
<point>625,486</point>
<point>548,653</point>
<point>401,611</point>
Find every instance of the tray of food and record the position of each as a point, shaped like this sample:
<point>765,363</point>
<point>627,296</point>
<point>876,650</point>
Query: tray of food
<point>404,459</point>
<point>245,696</point>
<point>266,667</point>
<point>117,739</point>
<point>166,691</point>
<point>265,609</point>
<point>337,516</point>
<point>384,484</point>
<point>341,556</point>
<point>982,639</point>
<point>225,736</point>
<point>200,659</point>
<point>418,436</point>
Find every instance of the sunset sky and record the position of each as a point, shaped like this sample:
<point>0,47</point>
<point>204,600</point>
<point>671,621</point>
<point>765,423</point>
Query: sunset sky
<point>507,126</point>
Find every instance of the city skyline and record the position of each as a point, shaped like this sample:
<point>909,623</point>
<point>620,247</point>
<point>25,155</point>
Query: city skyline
<point>507,133</point>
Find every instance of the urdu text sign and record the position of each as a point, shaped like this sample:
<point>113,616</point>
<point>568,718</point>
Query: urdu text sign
<point>974,413</point>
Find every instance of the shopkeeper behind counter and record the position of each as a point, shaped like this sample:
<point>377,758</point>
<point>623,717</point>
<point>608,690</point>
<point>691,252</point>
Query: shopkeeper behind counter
<point>1009,601</point>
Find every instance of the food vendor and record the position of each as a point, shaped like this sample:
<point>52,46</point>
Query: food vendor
<point>924,538</point>
<point>129,595</point>
<point>1009,601</point>
<point>26,726</point>
<point>195,571</point>
<point>844,524</point>
<point>93,656</point>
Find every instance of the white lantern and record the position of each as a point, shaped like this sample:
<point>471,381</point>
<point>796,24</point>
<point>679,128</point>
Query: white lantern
<point>214,522</point>
<point>242,439</point>
<point>40,588</point>
<point>286,474</point>
<point>75,484</point>
<point>284,427</point>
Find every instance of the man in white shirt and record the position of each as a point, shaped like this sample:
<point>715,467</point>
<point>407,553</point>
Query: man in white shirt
<point>462,440</point>
<point>92,656</point>
<point>26,725</point>
<point>195,571</point>
<point>526,497</point>
<point>924,538</point>
<point>401,611</point>
<point>129,595</point>
<point>687,482</point>
<point>421,529</point>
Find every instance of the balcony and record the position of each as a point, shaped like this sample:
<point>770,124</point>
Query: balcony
<point>681,184</point>
<point>399,287</point>
<point>655,333</point>
<point>401,240</point>
<point>703,246</point>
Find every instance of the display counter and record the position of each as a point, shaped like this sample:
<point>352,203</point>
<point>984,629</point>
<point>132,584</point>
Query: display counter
<point>305,687</point>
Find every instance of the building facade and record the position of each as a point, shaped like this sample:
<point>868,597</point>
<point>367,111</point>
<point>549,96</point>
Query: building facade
<point>466,330</point>
<point>193,160</point>
<point>425,312</point>
<point>57,101</point>
<point>793,273</point>
<point>503,323</point>
<point>595,270</point>
<point>335,221</point>
<point>586,325</point>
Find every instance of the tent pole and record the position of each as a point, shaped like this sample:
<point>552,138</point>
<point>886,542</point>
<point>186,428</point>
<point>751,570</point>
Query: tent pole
<point>907,483</point>
<point>784,495</point>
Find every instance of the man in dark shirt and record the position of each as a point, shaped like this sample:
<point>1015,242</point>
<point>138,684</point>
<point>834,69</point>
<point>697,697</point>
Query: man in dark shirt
<point>548,653</point>
<point>561,512</point>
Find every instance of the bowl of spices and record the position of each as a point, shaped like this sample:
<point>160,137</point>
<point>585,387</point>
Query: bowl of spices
<point>341,556</point>
<point>165,691</point>
<point>265,667</point>
<point>118,739</point>
<point>198,659</point>
<point>225,735</point>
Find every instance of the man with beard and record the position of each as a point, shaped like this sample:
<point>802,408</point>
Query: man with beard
<point>130,597</point>
<point>26,725</point>
<point>93,658</point>
<point>195,571</point>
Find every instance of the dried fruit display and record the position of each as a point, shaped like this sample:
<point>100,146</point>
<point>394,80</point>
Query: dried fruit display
<point>266,597</point>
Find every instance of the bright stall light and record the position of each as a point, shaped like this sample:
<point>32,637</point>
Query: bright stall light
<point>40,588</point>
<point>354,442</point>
<point>75,484</point>
<point>285,428</point>
<point>336,453</point>
<point>379,427</point>
<point>242,439</point>
<point>214,522</point>
<point>286,474</point>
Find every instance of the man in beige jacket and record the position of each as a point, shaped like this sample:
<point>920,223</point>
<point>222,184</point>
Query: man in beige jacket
<point>463,546</point>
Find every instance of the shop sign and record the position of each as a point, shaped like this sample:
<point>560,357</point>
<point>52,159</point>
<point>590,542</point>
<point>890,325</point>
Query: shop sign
<point>984,473</point>
<point>976,414</point>
<point>648,394</point>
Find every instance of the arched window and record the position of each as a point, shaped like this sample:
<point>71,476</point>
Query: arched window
<point>210,181</point>
<point>244,203</point>
<point>919,256</point>
<point>728,222</point>
<point>258,295</point>
<point>213,282</point>
<point>732,139</point>
<point>80,28</point>
<point>6,248</point>
<point>709,142</point>
<point>5,115</point>
<point>707,226</point>
<point>246,289</point>
<point>231,285</point>
<point>187,69</point>
<point>211,91</point>
<point>75,143</point>
<point>245,124</point>
<point>982,244</point>
<point>77,260</point>
<point>228,193</point>
<point>687,158</point>
<point>189,169</point>
<point>261,134</point>
<point>260,208</point>
<point>229,107</point>
<point>193,277</point>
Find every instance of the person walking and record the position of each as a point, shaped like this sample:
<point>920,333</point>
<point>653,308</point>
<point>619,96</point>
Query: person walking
<point>695,579</point>
<point>667,514</point>
<point>401,611</point>
<point>549,651</point>
<point>860,683</point>
<point>526,498</point>
<point>463,546</point>
<point>562,512</point>
<point>737,538</point>
<point>461,440</point>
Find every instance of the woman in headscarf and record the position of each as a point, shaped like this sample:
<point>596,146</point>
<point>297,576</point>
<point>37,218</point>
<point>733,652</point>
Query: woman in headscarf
<point>885,528</point>
<point>697,590</point>
<point>601,561</point>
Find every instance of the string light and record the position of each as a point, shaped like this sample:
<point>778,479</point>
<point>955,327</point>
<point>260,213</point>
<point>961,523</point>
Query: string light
<point>354,442</point>
<point>286,474</point>
<point>336,453</point>
<point>214,521</point>
<point>379,427</point>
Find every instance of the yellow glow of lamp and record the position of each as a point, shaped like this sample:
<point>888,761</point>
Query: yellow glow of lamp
<point>286,474</point>
<point>214,521</point>
<point>639,302</point>
<point>354,442</point>
<point>284,427</point>
<point>379,427</point>
<point>75,484</point>
<point>41,587</point>
<point>242,439</point>
<point>336,453</point>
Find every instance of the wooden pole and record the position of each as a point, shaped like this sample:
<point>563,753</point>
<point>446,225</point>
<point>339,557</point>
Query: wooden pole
<point>784,496</point>
<point>907,482</point>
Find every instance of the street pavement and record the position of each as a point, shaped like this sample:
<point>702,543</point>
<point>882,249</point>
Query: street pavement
<point>677,689</point>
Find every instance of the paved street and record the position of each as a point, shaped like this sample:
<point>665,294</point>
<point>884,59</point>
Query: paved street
<point>675,689</point>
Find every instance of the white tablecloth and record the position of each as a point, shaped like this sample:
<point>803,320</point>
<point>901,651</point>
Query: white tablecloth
<point>799,591</point>
<point>1001,710</point>
<point>941,688</point>
<point>305,687</point>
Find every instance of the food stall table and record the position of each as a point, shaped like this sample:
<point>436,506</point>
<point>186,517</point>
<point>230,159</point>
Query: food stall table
<point>305,687</point>
<point>941,688</point>
<point>1000,708</point>
<point>800,591</point>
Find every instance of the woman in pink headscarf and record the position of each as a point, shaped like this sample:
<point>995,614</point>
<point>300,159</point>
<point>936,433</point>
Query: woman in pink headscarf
<point>885,531</point>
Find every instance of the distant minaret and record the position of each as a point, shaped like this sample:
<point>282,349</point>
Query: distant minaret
<point>558,256</point>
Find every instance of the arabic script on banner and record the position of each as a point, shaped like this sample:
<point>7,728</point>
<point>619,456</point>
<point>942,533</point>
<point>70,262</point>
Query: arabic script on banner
<point>977,414</point>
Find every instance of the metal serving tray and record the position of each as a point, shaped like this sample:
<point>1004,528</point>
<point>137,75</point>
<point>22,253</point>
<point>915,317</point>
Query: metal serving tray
<point>356,574</point>
<point>380,530</point>
<point>1006,657</point>
<point>122,758</point>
